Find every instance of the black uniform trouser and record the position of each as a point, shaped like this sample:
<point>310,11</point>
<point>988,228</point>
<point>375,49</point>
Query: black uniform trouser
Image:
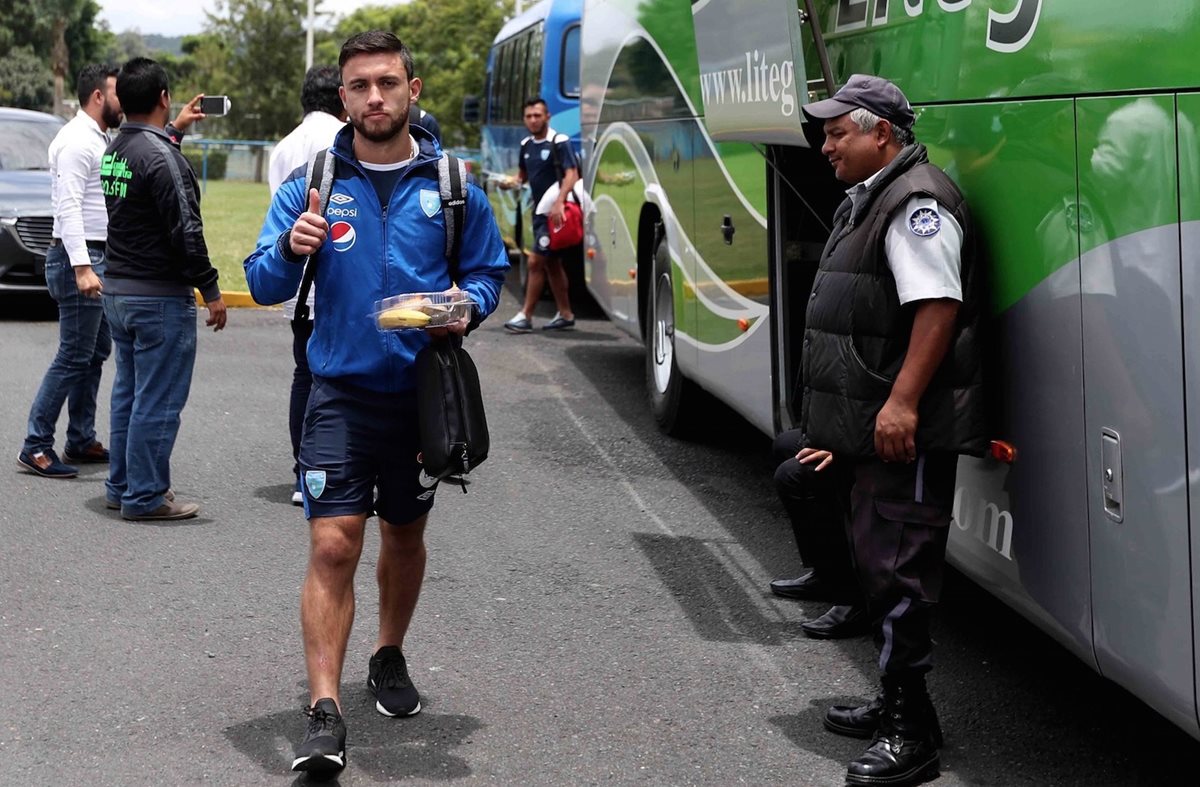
<point>894,521</point>
<point>899,524</point>
<point>818,505</point>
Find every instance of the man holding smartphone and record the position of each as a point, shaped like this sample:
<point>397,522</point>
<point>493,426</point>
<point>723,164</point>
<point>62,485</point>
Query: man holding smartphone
<point>360,451</point>
<point>156,258</point>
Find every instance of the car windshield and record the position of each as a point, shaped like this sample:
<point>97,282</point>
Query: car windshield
<point>24,144</point>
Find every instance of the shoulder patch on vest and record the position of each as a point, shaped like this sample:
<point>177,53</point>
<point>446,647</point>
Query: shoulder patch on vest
<point>924,222</point>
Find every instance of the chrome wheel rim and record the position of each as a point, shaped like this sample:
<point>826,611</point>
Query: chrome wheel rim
<point>663,344</point>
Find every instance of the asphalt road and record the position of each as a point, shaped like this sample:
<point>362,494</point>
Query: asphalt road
<point>595,612</point>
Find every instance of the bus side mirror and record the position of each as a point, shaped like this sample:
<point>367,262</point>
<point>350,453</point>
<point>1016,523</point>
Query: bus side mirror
<point>470,109</point>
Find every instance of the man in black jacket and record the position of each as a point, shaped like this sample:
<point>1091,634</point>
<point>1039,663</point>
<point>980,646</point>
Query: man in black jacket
<point>156,256</point>
<point>892,395</point>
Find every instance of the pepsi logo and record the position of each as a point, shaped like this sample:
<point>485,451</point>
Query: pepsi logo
<point>342,234</point>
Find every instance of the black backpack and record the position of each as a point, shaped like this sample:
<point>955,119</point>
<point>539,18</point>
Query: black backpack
<point>452,425</point>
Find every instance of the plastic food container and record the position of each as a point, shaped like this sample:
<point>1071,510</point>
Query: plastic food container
<point>417,311</point>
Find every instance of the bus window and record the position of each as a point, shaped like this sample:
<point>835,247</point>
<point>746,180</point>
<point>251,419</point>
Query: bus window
<point>499,102</point>
<point>533,67</point>
<point>519,89</point>
<point>568,80</point>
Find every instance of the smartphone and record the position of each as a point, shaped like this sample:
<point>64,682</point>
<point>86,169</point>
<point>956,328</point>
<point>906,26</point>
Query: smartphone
<point>215,106</point>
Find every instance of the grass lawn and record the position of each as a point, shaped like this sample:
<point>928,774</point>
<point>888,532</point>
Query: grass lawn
<point>233,215</point>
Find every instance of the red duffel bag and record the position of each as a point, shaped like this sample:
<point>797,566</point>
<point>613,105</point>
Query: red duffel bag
<point>571,232</point>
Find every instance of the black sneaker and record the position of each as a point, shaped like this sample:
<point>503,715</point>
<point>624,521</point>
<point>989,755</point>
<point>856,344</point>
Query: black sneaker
<point>323,750</point>
<point>388,680</point>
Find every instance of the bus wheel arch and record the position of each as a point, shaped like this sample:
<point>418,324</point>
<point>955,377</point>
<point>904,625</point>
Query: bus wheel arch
<point>649,227</point>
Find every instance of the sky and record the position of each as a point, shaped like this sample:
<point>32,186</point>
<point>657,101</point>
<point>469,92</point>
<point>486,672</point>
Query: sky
<point>184,18</point>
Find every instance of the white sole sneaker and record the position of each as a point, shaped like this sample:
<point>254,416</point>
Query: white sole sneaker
<point>324,763</point>
<point>379,707</point>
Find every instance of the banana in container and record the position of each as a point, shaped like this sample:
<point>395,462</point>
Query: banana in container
<point>420,310</point>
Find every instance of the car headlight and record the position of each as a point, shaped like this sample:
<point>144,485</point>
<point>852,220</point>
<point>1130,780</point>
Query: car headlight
<point>8,221</point>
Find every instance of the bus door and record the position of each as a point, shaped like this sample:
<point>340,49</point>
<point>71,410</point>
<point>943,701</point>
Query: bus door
<point>751,84</point>
<point>803,198</point>
<point>1188,129</point>
<point>1134,416</point>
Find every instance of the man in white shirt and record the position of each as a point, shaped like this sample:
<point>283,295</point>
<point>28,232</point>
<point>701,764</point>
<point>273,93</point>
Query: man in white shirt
<point>75,266</point>
<point>324,117</point>
<point>74,272</point>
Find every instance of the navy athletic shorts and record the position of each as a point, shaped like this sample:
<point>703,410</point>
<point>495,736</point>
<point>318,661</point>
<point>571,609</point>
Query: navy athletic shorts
<point>357,442</point>
<point>541,236</point>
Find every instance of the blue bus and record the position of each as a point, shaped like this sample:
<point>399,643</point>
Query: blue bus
<point>536,53</point>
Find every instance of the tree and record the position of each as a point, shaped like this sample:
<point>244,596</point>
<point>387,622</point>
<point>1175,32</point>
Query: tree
<point>449,40</point>
<point>263,46</point>
<point>61,34</point>
<point>129,44</point>
<point>25,81</point>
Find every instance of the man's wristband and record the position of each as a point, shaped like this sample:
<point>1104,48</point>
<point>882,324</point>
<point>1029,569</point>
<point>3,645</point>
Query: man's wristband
<point>285,248</point>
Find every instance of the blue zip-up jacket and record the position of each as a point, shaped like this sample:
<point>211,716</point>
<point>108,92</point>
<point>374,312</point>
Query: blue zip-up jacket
<point>378,254</point>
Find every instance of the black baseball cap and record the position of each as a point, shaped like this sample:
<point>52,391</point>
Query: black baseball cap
<point>874,94</point>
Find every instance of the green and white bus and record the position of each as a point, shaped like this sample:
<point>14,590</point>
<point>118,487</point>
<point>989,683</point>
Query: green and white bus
<point>1071,128</point>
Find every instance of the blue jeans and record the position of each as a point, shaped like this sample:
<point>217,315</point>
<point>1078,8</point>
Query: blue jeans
<point>155,338</point>
<point>84,343</point>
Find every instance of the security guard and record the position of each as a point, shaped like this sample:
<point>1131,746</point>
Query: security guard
<point>892,395</point>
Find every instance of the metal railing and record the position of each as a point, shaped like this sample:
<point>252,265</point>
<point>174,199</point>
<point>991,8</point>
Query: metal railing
<point>246,160</point>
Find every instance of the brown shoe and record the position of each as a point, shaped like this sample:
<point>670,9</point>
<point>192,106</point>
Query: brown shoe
<point>115,505</point>
<point>95,453</point>
<point>165,512</point>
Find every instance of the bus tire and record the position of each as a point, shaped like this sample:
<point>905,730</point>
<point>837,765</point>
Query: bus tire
<point>673,398</point>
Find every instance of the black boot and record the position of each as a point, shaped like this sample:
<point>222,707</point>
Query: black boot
<point>863,721</point>
<point>904,751</point>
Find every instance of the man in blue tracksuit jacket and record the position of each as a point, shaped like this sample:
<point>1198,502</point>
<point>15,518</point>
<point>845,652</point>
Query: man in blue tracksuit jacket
<point>382,234</point>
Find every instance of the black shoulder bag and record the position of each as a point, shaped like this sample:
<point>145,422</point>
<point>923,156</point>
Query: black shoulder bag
<point>453,427</point>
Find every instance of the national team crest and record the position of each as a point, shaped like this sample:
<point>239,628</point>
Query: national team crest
<point>545,154</point>
<point>431,202</point>
<point>315,481</point>
<point>924,222</point>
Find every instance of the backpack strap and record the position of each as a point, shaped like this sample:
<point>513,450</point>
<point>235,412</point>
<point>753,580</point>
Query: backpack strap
<point>319,175</point>
<point>553,156</point>
<point>452,178</point>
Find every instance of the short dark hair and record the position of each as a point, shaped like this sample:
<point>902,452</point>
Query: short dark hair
<point>373,41</point>
<point>320,91</point>
<point>91,79</point>
<point>534,101</point>
<point>140,84</point>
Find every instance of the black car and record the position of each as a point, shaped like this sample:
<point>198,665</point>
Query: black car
<point>26,219</point>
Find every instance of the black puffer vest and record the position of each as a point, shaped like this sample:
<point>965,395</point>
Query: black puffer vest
<point>856,333</point>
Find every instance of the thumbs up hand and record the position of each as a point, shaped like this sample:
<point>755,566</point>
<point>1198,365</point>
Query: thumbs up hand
<point>309,231</point>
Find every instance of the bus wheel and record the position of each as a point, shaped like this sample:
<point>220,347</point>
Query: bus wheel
<point>672,396</point>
